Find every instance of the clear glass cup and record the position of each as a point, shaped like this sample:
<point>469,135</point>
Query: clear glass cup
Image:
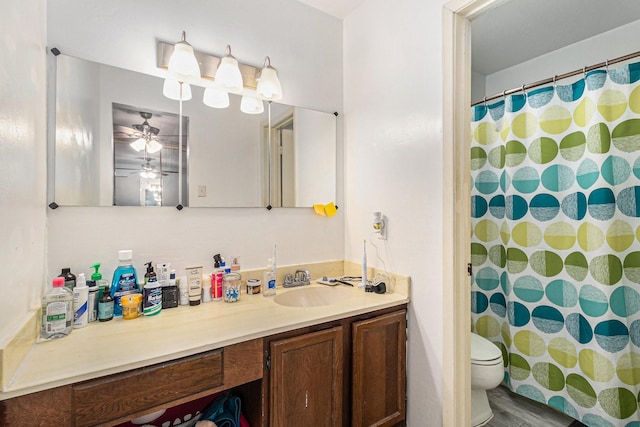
<point>231,283</point>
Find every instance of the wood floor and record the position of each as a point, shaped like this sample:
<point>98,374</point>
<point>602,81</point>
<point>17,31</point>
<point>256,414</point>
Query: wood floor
<point>512,410</point>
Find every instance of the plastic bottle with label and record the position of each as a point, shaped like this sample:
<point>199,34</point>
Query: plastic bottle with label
<point>57,311</point>
<point>125,280</point>
<point>152,291</point>
<point>80,303</point>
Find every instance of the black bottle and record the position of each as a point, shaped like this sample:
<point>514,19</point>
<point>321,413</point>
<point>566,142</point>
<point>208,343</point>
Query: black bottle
<point>105,306</point>
<point>69,278</point>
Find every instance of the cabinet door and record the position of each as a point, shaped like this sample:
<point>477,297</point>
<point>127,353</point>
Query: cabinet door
<point>379,370</point>
<point>306,380</point>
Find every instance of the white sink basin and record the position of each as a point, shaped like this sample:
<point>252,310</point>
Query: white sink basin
<point>313,296</point>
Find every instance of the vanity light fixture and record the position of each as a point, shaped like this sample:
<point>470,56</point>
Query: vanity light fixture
<point>228,73</point>
<point>219,76</point>
<point>269,87</point>
<point>183,63</point>
<point>251,105</point>
<point>171,89</point>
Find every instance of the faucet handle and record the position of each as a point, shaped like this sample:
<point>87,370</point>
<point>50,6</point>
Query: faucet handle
<point>303,276</point>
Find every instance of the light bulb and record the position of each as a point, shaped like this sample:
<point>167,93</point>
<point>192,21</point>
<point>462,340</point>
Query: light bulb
<point>269,87</point>
<point>138,144</point>
<point>228,72</point>
<point>183,63</point>
<point>251,105</point>
<point>171,89</point>
<point>215,98</point>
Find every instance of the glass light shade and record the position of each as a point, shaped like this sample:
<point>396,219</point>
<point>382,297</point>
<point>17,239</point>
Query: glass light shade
<point>183,62</point>
<point>228,73</point>
<point>171,89</point>
<point>268,84</point>
<point>148,174</point>
<point>153,146</point>
<point>251,105</point>
<point>138,144</point>
<point>215,98</point>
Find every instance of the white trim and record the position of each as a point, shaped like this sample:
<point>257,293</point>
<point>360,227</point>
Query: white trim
<point>456,63</point>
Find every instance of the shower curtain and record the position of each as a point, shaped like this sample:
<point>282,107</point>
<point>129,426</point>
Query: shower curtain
<point>555,207</point>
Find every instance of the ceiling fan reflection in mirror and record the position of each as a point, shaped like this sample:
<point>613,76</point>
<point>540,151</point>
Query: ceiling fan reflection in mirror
<point>147,136</point>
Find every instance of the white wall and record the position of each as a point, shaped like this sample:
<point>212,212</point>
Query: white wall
<point>23,151</point>
<point>393,157</point>
<point>611,44</point>
<point>305,46</point>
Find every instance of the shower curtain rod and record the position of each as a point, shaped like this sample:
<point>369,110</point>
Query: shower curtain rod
<point>556,78</point>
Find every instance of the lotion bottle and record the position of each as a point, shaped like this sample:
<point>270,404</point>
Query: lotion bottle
<point>80,303</point>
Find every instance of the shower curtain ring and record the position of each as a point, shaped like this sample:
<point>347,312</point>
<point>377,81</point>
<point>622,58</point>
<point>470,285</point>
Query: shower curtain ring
<point>606,65</point>
<point>584,72</point>
<point>484,101</point>
<point>523,92</point>
<point>555,79</point>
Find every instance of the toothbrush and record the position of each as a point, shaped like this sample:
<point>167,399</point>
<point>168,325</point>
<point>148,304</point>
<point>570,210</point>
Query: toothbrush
<point>364,266</point>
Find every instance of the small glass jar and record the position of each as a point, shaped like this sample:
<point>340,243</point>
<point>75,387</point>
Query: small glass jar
<point>231,283</point>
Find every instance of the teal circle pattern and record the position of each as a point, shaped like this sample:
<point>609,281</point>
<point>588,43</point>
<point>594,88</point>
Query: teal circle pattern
<point>547,319</point>
<point>544,207</point>
<point>478,206</point>
<point>518,314</point>
<point>634,332</point>
<point>526,180</point>
<point>587,174</point>
<point>615,170</point>
<point>562,293</point>
<point>579,328</point>
<point>558,178</point>
<point>593,301</point>
<point>528,289</point>
<point>479,302</point>
<point>624,301</point>
<point>498,305</point>
<point>629,201</point>
<point>497,206</point>
<point>602,204</point>
<point>575,206</point>
<point>611,335</point>
<point>636,168</point>
<point>516,207</point>
<point>487,182</point>
<point>487,279</point>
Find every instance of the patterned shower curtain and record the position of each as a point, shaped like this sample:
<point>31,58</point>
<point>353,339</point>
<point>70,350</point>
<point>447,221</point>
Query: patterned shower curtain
<point>556,243</point>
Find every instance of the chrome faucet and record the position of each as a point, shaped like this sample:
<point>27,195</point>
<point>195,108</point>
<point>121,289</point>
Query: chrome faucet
<point>301,278</point>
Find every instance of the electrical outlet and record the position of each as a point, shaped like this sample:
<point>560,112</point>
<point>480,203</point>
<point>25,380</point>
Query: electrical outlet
<point>202,191</point>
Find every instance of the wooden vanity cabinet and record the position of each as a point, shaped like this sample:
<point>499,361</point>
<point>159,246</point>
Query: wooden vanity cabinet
<point>346,372</point>
<point>349,372</point>
<point>306,379</point>
<point>379,371</point>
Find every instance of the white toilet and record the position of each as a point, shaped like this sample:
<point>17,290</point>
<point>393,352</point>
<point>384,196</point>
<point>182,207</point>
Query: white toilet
<point>487,371</point>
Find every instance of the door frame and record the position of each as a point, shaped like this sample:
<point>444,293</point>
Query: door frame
<point>456,117</point>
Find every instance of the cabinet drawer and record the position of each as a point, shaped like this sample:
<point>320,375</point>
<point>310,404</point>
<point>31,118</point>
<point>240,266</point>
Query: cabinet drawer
<point>110,398</point>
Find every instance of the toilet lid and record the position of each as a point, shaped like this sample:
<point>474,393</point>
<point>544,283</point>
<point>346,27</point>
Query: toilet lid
<point>483,350</point>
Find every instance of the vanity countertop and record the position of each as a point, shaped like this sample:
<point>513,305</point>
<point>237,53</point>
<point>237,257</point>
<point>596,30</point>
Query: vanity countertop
<point>121,345</point>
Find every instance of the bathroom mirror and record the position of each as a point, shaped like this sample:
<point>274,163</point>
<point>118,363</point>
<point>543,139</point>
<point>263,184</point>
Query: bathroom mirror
<point>227,161</point>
